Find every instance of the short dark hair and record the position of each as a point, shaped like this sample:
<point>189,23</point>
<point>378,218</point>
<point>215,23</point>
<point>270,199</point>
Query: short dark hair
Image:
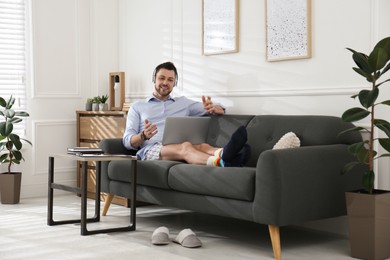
<point>168,66</point>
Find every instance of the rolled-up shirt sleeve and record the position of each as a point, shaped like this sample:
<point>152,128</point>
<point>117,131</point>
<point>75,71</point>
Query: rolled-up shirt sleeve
<point>133,123</point>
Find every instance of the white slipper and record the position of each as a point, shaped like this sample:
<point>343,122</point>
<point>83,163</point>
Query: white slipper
<point>187,238</point>
<point>160,236</point>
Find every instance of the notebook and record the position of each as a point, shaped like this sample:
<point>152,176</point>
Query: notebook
<point>181,129</point>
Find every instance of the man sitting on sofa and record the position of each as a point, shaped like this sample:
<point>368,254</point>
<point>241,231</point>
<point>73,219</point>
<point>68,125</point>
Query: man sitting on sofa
<point>146,120</point>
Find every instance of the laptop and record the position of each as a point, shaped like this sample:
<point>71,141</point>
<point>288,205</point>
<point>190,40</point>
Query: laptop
<point>182,129</point>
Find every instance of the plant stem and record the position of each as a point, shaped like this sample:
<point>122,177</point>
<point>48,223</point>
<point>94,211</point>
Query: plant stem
<point>371,143</point>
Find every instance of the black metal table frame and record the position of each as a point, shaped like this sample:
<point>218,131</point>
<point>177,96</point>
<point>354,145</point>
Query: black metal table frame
<point>83,191</point>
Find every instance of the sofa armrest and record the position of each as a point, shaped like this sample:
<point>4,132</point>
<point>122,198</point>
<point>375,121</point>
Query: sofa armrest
<point>115,146</point>
<point>111,146</point>
<point>303,184</point>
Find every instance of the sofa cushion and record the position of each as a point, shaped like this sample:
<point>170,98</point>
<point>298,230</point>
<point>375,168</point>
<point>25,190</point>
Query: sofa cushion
<point>229,182</point>
<point>150,173</point>
<point>289,140</point>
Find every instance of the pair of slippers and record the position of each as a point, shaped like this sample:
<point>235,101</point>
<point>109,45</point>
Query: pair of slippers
<point>186,238</point>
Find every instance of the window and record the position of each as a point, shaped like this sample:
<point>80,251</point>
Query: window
<point>13,54</point>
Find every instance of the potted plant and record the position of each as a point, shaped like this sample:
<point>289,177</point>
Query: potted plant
<point>102,103</point>
<point>364,214</point>
<point>10,148</point>
<point>88,104</point>
<point>95,103</point>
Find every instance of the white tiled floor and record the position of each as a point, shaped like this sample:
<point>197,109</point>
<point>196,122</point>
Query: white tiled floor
<point>24,234</point>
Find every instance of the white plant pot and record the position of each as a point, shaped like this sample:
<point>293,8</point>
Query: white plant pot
<point>103,107</point>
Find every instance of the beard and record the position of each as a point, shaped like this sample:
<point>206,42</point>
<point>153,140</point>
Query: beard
<point>163,91</point>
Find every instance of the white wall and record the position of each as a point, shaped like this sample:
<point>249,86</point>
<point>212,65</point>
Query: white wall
<point>76,43</point>
<point>153,31</point>
<point>74,47</point>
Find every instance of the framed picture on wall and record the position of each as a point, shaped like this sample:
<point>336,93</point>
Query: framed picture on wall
<point>220,26</point>
<point>288,29</point>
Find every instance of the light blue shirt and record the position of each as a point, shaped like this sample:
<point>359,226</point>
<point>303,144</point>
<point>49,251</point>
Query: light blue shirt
<point>156,111</point>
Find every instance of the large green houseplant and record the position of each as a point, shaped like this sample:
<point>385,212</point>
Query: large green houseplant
<point>372,67</point>
<point>10,150</point>
<point>369,209</point>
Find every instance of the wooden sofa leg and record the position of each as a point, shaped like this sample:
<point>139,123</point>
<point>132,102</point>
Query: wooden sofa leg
<point>274,233</point>
<point>107,203</point>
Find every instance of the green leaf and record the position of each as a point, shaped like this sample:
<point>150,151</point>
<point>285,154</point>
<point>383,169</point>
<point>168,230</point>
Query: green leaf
<point>357,147</point>
<point>10,103</point>
<point>378,58</point>
<point>27,141</point>
<point>349,167</point>
<point>15,161</point>
<point>383,125</point>
<point>385,69</point>
<point>355,95</point>
<point>21,113</point>
<point>354,114</point>
<point>387,102</point>
<point>3,103</point>
<point>15,120</point>
<point>16,141</point>
<point>368,97</point>
<point>385,143</point>
<point>361,61</point>
<point>384,43</point>
<point>387,80</point>
<point>367,75</point>
<point>9,145</point>
<point>9,113</point>
<point>3,157</point>
<point>368,180</point>
<point>360,151</point>
<point>17,155</point>
<point>6,128</point>
<point>354,129</point>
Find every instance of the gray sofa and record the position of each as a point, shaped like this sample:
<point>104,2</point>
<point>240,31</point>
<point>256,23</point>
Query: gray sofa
<point>276,187</point>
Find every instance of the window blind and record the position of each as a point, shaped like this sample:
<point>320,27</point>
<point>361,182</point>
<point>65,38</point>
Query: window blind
<point>13,54</point>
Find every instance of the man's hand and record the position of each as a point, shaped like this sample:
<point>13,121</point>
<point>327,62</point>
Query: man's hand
<point>150,129</point>
<point>210,107</point>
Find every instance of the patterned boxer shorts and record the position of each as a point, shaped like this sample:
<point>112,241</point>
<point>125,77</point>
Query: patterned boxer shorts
<point>154,152</point>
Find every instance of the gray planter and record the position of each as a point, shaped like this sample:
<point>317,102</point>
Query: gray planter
<point>95,107</point>
<point>369,224</point>
<point>10,187</point>
<point>88,107</point>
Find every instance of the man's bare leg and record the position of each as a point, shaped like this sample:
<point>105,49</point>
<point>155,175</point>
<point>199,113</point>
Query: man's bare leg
<point>206,148</point>
<point>185,152</point>
<point>201,153</point>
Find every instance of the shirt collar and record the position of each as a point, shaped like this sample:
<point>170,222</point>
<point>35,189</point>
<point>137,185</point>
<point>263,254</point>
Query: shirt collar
<point>153,98</point>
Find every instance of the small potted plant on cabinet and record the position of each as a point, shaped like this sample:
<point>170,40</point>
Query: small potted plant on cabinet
<point>10,148</point>
<point>369,225</point>
<point>88,104</point>
<point>95,103</point>
<point>103,106</point>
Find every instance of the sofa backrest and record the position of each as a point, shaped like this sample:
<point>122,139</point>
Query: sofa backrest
<point>222,127</point>
<point>265,130</point>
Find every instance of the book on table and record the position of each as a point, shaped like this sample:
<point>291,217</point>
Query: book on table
<point>102,155</point>
<point>94,152</point>
<point>84,150</point>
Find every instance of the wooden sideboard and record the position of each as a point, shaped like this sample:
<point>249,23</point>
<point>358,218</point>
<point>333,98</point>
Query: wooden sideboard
<point>92,127</point>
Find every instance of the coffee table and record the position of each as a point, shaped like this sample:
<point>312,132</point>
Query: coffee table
<point>83,191</point>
